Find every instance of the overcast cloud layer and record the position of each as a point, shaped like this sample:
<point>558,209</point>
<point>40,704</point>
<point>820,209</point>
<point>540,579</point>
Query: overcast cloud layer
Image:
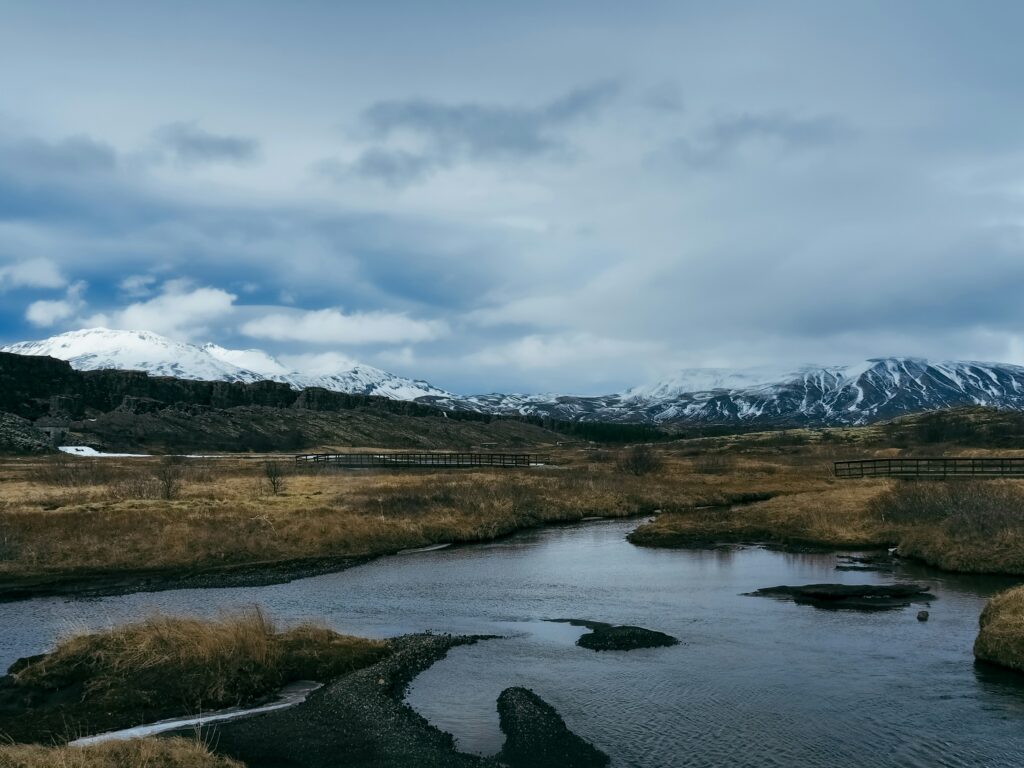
<point>516,196</point>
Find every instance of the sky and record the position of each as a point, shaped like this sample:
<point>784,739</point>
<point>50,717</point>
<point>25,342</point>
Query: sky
<point>533,196</point>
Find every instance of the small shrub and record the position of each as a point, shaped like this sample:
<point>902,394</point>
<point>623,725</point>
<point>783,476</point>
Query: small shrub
<point>274,474</point>
<point>712,464</point>
<point>169,474</point>
<point>639,460</point>
<point>134,486</point>
<point>65,471</point>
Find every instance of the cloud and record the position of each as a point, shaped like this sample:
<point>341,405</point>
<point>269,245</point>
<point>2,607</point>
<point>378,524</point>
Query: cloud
<point>320,363</point>
<point>32,273</point>
<point>73,155</point>
<point>470,131</point>
<point>190,145</point>
<point>664,97</point>
<point>137,286</point>
<point>563,350</point>
<point>778,130</point>
<point>394,167</point>
<point>179,311</point>
<point>49,312</point>
<point>331,326</point>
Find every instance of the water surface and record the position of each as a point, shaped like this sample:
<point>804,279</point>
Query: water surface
<point>755,681</point>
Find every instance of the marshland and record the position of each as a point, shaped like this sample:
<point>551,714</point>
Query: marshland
<point>216,581</point>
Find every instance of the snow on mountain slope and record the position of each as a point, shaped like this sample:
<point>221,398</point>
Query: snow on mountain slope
<point>101,348</point>
<point>704,380</point>
<point>255,360</point>
<point>869,391</point>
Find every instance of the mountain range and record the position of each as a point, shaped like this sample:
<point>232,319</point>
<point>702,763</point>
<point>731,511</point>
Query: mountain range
<point>869,391</point>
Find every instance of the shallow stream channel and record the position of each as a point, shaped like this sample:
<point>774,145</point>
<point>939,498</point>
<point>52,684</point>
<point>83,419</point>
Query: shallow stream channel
<point>755,681</point>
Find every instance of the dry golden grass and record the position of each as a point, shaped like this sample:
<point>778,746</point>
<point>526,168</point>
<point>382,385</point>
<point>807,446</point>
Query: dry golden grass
<point>67,517</point>
<point>225,515</point>
<point>961,525</point>
<point>1001,630</point>
<point>838,515</point>
<point>136,753</point>
<point>166,666</point>
<point>189,664</point>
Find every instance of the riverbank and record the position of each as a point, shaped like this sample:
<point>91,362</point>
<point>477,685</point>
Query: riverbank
<point>646,707</point>
<point>171,667</point>
<point>97,526</point>
<point>360,716</point>
<point>164,667</point>
<point>837,517</point>
<point>81,526</point>
<point>961,526</point>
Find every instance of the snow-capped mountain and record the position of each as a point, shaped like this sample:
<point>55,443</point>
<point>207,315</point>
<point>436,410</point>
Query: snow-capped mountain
<point>870,391</point>
<point>101,348</point>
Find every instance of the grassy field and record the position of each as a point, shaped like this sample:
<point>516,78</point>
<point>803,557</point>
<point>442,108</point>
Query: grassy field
<point>68,517</point>
<point>136,753</point>
<point>73,515</point>
<point>167,666</point>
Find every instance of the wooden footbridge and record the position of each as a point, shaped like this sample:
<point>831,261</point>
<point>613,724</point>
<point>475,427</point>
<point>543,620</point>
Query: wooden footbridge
<point>940,468</point>
<point>362,460</point>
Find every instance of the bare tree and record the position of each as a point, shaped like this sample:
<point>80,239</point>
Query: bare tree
<point>274,473</point>
<point>639,460</point>
<point>168,475</point>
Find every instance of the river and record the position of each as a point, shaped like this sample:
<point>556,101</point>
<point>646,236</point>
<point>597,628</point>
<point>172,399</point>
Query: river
<point>754,682</point>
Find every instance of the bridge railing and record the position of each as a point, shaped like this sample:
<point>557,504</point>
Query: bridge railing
<point>440,460</point>
<point>987,466</point>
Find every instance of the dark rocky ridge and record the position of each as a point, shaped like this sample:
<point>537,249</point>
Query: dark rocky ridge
<point>18,435</point>
<point>35,387</point>
<point>132,411</point>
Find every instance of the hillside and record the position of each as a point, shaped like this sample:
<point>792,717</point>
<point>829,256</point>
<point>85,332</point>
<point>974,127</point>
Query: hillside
<point>132,411</point>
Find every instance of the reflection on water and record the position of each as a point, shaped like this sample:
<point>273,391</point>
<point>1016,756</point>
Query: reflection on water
<point>754,682</point>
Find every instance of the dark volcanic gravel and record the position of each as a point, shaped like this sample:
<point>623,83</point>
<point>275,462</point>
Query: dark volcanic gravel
<point>537,737</point>
<point>356,721</point>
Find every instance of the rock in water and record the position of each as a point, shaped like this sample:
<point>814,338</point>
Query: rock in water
<point>618,637</point>
<point>537,737</point>
<point>861,597</point>
<point>922,615</point>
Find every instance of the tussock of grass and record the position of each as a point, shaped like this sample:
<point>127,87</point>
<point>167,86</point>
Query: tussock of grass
<point>961,525</point>
<point>167,666</point>
<point>1001,632</point>
<point>137,753</point>
<point>190,664</point>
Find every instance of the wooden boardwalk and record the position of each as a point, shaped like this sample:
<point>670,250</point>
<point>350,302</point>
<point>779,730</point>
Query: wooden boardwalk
<point>433,460</point>
<point>931,468</point>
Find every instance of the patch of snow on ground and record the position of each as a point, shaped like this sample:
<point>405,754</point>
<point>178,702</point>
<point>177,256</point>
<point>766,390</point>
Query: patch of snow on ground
<point>84,450</point>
